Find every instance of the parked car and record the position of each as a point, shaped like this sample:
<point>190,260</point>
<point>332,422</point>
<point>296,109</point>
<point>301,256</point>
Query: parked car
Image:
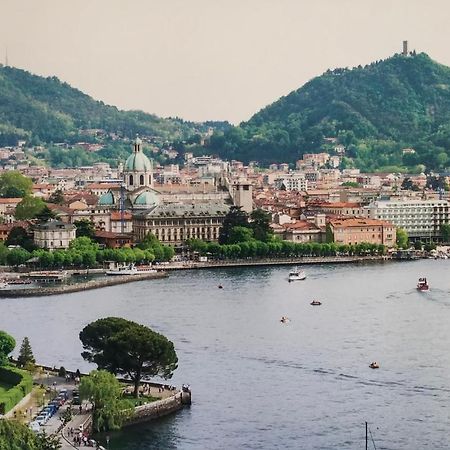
<point>41,419</point>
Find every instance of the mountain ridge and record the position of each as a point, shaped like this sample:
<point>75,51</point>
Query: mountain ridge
<point>398,102</point>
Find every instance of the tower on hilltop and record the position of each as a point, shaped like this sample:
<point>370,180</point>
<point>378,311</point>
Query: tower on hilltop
<point>405,48</point>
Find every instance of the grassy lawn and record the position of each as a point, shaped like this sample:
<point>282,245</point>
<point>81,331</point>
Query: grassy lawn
<point>4,387</point>
<point>128,401</point>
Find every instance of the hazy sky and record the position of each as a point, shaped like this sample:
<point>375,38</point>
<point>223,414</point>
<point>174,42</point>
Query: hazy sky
<point>210,59</point>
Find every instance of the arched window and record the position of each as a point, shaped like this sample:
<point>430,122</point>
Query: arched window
<point>131,180</point>
<point>141,180</point>
<point>150,179</point>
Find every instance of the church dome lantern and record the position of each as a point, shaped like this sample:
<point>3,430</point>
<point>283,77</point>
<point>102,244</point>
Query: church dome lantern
<point>138,170</point>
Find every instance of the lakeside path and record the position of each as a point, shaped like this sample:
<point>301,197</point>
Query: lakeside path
<point>307,260</point>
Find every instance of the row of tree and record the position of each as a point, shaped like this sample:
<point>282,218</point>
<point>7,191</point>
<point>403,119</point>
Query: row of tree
<point>84,252</point>
<point>282,249</point>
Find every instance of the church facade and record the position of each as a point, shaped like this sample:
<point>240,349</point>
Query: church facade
<point>172,222</point>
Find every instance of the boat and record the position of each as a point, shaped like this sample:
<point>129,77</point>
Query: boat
<point>315,303</point>
<point>374,365</point>
<point>422,285</point>
<point>285,319</point>
<point>296,274</point>
<point>129,269</point>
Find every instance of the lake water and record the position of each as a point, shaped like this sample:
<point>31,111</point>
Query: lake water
<point>260,384</point>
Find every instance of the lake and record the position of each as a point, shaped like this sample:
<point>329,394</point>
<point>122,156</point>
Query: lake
<point>261,384</point>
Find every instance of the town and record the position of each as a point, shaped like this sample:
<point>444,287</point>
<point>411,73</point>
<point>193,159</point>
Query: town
<point>314,202</point>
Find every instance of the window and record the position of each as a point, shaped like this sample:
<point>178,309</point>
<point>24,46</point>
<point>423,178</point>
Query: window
<point>141,180</point>
<point>131,180</point>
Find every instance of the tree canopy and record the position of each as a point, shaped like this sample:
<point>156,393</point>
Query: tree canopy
<point>26,356</point>
<point>103,389</point>
<point>16,436</point>
<point>124,347</point>
<point>7,344</point>
<point>13,184</point>
<point>29,208</point>
<point>402,238</point>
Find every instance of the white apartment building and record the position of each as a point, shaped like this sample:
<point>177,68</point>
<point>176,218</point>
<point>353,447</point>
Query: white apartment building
<point>54,235</point>
<point>421,219</point>
<point>292,182</point>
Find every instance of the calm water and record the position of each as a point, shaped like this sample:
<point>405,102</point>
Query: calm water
<point>261,384</point>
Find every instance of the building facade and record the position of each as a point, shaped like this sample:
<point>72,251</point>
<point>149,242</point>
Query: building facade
<point>421,219</point>
<point>53,235</point>
<point>358,230</point>
<point>174,224</point>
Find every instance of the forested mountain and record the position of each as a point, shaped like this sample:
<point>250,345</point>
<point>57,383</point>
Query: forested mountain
<point>375,111</point>
<point>47,110</point>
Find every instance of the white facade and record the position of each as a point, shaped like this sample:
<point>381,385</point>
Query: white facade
<point>292,182</point>
<point>419,218</point>
<point>54,235</point>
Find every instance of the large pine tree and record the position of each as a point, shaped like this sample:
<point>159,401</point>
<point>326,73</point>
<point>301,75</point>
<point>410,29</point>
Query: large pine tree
<point>25,354</point>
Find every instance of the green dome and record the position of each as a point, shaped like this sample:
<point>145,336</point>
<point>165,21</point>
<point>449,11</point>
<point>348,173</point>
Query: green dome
<point>106,199</point>
<point>146,199</point>
<point>138,162</point>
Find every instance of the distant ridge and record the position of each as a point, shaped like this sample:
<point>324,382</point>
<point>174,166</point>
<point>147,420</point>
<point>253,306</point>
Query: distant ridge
<point>40,109</point>
<point>375,111</point>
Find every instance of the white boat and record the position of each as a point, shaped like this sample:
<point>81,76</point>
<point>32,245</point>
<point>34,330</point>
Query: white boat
<point>296,274</point>
<point>130,269</point>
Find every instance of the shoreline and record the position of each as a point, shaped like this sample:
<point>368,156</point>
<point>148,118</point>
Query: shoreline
<point>191,265</point>
<point>83,286</point>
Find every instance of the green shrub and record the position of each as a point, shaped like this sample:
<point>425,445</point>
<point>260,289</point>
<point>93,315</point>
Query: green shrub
<point>22,382</point>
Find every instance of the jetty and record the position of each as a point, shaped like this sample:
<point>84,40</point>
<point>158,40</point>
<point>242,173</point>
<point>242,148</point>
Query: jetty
<point>63,288</point>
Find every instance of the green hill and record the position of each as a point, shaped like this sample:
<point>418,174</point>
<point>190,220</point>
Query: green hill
<point>42,109</point>
<point>375,111</point>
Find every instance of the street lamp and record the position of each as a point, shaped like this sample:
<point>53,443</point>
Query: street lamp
<point>107,442</point>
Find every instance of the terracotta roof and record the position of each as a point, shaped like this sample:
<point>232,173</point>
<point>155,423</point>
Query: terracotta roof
<point>102,185</point>
<point>300,225</point>
<point>10,200</point>
<point>358,222</point>
<point>115,215</point>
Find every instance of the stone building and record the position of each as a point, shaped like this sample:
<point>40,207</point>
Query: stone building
<point>173,224</point>
<point>53,235</point>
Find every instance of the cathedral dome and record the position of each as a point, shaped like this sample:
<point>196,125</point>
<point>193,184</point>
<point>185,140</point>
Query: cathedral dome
<point>138,162</point>
<point>106,199</point>
<point>146,199</point>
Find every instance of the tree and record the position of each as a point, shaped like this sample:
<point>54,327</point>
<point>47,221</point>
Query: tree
<point>17,257</point>
<point>29,208</point>
<point>260,224</point>
<point>3,253</point>
<point>26,356</point>
<point>402,238</point>
<point>13,185</point>
<point>16,436</point>
<point>56,197</point>
<point>235,218</point>
<point>125,347</point>
<point>85,228</point>
<point>7,344</point>
<point>445,231</point>
<point>103,390</point>
<point>45,215</point>
<point>240,234</point>
<point>19,236</point>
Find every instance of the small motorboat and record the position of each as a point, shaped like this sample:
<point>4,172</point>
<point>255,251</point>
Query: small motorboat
<point>220,286</point>
<point>284,319</point>
<point>374,365</point>
<point>315,303</point>
<point>296,275</point>
<point>422,285</point>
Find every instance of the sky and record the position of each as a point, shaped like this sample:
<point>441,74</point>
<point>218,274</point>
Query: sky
<point>210,59</point>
